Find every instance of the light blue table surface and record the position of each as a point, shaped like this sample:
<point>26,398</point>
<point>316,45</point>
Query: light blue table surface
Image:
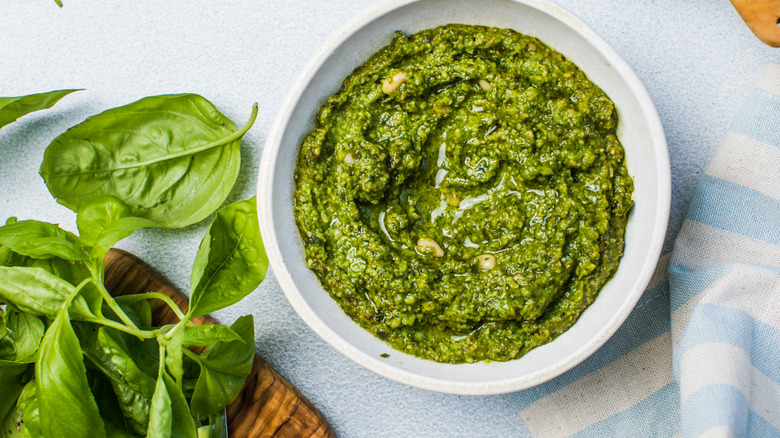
<point>696,58</point>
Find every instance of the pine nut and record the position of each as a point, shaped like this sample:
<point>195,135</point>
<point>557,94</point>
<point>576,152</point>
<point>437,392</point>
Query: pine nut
<point>427,242</point>
<point>391,84</point>
<point>486,262</point>
<point>350,158</point>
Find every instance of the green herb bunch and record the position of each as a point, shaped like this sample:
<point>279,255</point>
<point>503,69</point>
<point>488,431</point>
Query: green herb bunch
<point>77,362</point>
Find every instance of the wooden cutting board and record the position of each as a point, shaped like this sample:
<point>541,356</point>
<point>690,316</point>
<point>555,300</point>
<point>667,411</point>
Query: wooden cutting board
<point>762,17</point>
<point>268,406</point>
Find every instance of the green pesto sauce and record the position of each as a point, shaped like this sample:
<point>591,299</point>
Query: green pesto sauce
<point>464,196</point>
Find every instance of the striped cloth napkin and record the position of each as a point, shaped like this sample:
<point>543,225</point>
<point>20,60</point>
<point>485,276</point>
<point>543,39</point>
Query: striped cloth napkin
<point>700,354</point>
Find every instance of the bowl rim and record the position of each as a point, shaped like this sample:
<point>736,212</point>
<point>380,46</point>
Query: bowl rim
<point>266,176</point>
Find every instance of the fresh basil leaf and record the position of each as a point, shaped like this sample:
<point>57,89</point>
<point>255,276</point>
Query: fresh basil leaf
<point>170,415</point>
<point>161,413</point>
<point>40,293</point>
<point>173,354</point>
<point>12,373</point>
<point>224,369</point>
<point>6,364</point>
<point>143,310</point>
<point>10,258</point>
<point>41,240</point>
<point>28,406</point>
<point>144,352</point>
<point>191,373</point>
<point>5,256</point>
<point>7,347</point>
<point>103,391</point>
<point>183,423</point>
<point>7,351</point>
<point>11,108</point>
<point>134,406</point>
<point>74,273</point>
<point>107,351</point>
<point>27,331</point>
<point>116,356</point>
<point>10,393</point>
<point>115,431</point>
<point>202,335</point>
<point>8,428</point>
<point>108,406</point>
<point>188,384</point>
<point>10,388</point>
<point>215,389</point>
<point>173,159</point>
<point>105,221</point>
<point>67,407</point>
<point>231,260</point>
<point>131,313</point>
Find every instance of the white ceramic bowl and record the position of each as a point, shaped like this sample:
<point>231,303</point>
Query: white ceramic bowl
<point>640,131</point>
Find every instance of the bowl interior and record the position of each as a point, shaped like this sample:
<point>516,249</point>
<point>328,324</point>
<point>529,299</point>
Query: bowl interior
<point>639,130</point>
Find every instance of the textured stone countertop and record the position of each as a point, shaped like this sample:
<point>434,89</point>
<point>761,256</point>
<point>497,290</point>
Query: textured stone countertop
<point>696,58</point>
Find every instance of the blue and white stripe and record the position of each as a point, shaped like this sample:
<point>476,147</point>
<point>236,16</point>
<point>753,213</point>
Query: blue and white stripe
<point>700,354</point>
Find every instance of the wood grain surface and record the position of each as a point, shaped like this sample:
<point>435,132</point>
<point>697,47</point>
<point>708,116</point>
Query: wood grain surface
<point>762,17</point>
<point>268,406</point>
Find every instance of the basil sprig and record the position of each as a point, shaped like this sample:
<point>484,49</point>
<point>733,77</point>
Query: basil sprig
<point>77,362</point>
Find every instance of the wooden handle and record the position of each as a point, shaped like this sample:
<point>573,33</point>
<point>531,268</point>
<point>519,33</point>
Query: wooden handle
<point>268,406</point>
<point>762,17</point>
